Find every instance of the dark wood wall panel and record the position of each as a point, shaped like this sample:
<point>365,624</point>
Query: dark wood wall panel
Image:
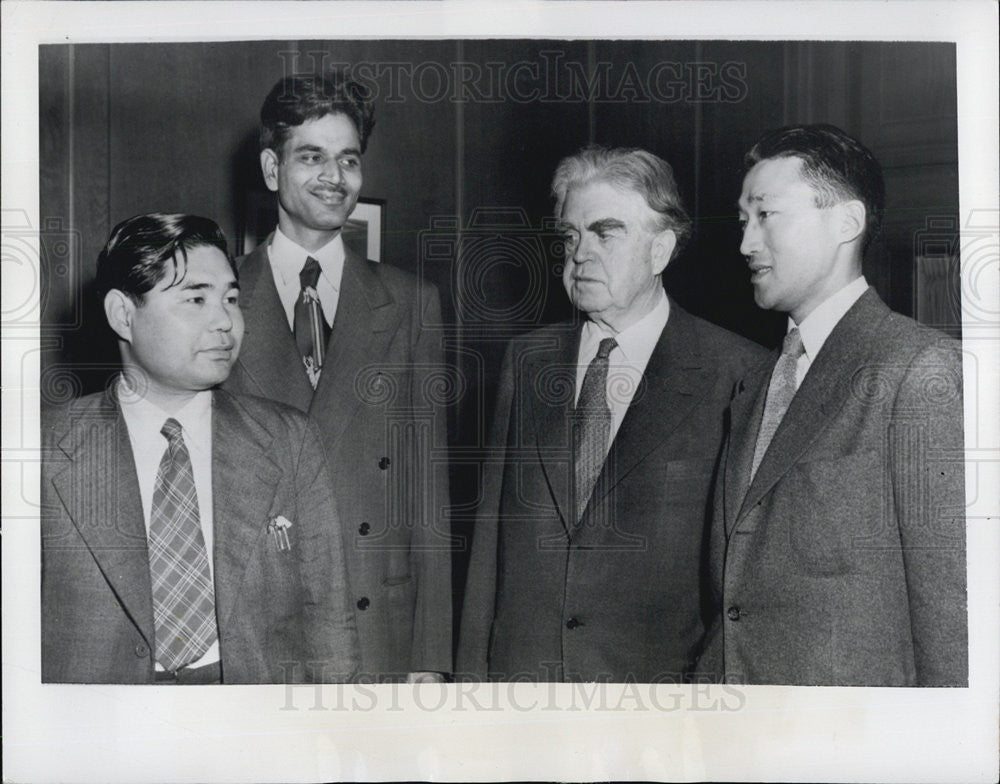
<point>74,194</point>
<point>178,116</point>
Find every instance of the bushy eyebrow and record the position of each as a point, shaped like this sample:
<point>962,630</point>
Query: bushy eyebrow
<point>605,224</point>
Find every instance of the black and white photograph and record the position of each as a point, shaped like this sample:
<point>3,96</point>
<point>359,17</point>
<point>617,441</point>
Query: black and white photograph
<point>497,397</point>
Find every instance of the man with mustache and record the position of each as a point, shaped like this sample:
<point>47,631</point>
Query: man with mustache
<point>188,535</point>
<point>838,539</point>
<point>587,553</point>
<point>353,343</point>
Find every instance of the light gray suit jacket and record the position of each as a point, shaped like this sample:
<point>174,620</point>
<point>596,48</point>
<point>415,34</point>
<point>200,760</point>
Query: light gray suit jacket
<point>843,562</point>
<point>380,409</point>
<point>283,615</point>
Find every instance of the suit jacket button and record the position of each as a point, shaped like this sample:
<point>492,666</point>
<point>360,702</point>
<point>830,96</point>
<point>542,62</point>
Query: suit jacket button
<point>572,623</point>
<point>384,463</point>
<point>363,603</point>
<point>142,650</point>
<point>733,613</point>
<point>364,528</point>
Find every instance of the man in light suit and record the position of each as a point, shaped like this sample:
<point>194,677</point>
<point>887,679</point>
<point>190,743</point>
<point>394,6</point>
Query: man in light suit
<point>586,559</point>
<point>838,542</point>
<point>353,343</point>
<point>188,535</point>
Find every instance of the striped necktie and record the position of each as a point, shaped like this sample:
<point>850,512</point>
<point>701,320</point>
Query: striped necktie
<point>309,324</point>
<point>780,392</point>
<point>592,427</point>
<point>183,595</point>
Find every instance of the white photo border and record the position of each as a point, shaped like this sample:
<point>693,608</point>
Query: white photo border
<point>519,731</point>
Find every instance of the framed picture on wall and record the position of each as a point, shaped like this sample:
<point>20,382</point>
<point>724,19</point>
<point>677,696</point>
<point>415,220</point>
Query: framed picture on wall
<point>365,228</point>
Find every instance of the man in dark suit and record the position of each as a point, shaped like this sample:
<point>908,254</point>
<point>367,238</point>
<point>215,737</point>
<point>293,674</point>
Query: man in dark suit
<point>587,549</point>
<point>838,541</point>
<point>353,343</point>
<point>188,535</point>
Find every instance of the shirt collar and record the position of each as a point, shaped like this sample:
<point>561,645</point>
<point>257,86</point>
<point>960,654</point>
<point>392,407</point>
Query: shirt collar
<point>195,417</point>
<point>639,339</point>
<point>287,257</point>
<point>817,326</point>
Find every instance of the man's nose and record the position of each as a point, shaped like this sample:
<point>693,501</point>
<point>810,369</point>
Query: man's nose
<point>222,319</point>
<point>331,171</point>
<point>751,238</point>
<point>581,251</point>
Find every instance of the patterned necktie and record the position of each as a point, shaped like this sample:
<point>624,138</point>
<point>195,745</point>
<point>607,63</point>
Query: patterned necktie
<point>310,327</point>
<point>592,426</point>
<point>183,596</point>
<point>780,392</point>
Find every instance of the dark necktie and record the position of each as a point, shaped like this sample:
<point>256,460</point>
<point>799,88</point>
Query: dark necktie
<point>183,596</point>
<point>309,325</point>
<point>780,392</point>
<point>592,427</point>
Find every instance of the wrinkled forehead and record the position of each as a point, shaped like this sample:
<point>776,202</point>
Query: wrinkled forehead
<point>603,198</point>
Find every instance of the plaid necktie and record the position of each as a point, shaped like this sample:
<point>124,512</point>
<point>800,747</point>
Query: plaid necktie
<point>780,392</point>
<point>592,426</point>
<point>309,325</point>
<point>183,596</point>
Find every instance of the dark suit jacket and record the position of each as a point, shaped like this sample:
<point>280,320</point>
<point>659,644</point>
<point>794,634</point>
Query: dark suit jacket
<point>615,596</point>
<point>843,563</point>
<point>380,410</point>
<point>280,614</point>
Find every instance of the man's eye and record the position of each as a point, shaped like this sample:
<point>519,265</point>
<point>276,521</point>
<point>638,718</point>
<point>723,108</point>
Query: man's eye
<point>232,299</point>
<point>350,163</point>
<point>311,158</point>
<point>196,300</point>
<point>762,215</point>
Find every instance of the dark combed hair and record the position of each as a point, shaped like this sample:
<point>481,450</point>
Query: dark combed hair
<point>837,166</point>
<point>140,250</point>
<point>301,97</point>
<point>630,168</point>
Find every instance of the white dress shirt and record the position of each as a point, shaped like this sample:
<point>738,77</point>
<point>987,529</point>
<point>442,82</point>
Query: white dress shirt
<point>817,326</point>
<point>144,420</point>
<point>626,362</point>
<point>287,259</point>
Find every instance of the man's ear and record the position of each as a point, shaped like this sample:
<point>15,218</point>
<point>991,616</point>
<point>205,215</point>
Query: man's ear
<point>119,310</point>
<point>662,250</point>
<point>269,168</point>
<point>852,216</point>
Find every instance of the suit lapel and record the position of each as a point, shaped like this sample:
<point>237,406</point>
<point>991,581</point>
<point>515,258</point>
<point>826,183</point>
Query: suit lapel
<point>269,355</point>
<point>665,397</point>
<point>824,390</point>
<point>366,318</point>
<point>551,371</point>
<point>244,478</point>
<point>100,491</point>
<point>745,413</point>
